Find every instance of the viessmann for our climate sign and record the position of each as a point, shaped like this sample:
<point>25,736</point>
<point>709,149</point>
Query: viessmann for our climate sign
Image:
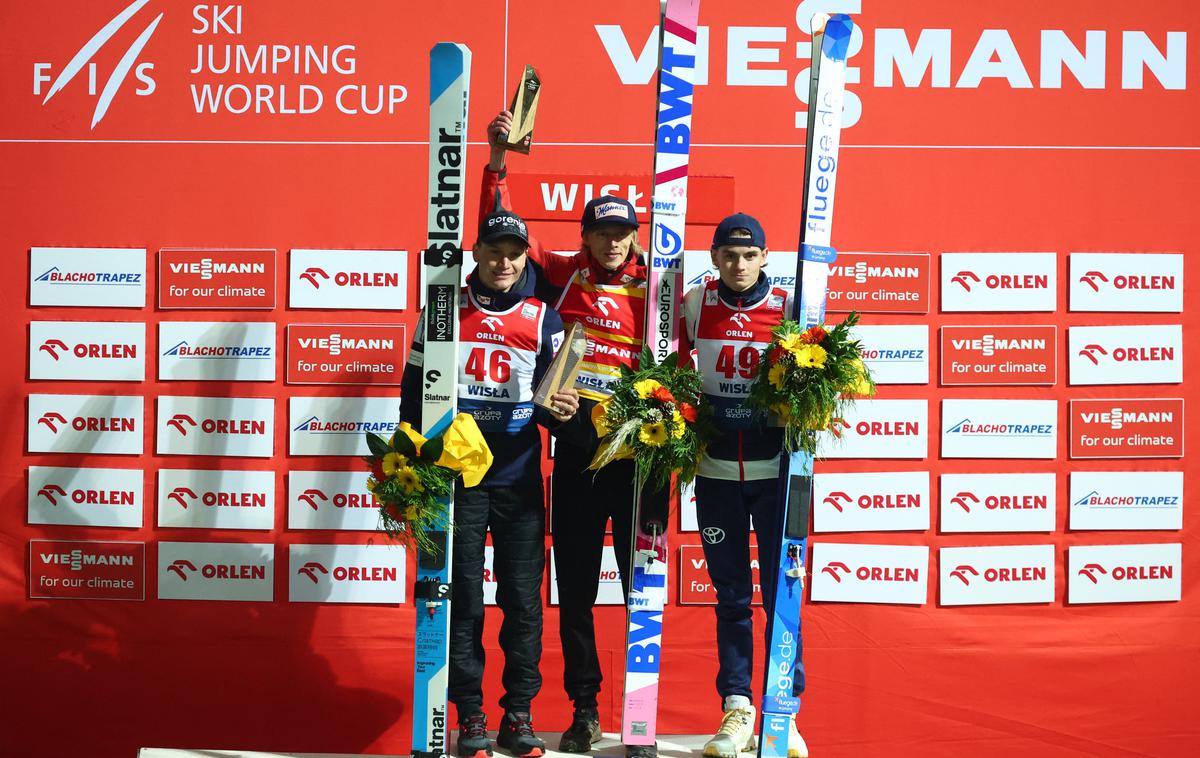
<point>87,569</point>
<point>1127,428</point>
<point>216,279</point>
<point>346,354</point>
<point>999,355</point>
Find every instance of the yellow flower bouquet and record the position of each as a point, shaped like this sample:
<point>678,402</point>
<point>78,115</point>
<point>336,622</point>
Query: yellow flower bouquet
<point>656,417</point>
<point>411,476</point>
<point>807,377</point>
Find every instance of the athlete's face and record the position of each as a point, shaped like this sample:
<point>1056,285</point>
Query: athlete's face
<point>739,265</point>
<point>609,244</point>
<point>500,263</point>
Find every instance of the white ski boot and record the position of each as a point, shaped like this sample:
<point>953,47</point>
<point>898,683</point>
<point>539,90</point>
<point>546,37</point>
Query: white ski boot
<point>796,746</point>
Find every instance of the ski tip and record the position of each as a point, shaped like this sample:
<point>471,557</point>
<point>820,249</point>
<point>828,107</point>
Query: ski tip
<point>816,24</point>
<point>838,29</point>
<point>447,62</point>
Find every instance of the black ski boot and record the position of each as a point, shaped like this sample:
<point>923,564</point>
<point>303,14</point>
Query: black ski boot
<point>473,741</point>
<point>517,737</point>
<point>641,751</point>
<point>584,730</point>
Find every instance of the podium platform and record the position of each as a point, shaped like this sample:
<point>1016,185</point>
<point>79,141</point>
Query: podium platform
<point>670,746</point>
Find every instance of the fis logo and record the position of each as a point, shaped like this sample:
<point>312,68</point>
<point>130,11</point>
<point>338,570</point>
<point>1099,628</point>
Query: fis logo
<point>49,491</point>
<point>311,569</point>
<point>311,273</point>
<point>182,422</point>
<point>962,498</point>
<point>311,496</point>
<point>604,303</point>
<point>835,499</point>
<point>181,567</point>
<point>178,493</point>
<point>142,70</point>
<point>493,323</point>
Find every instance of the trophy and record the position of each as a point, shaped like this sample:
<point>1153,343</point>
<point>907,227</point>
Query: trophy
<point>564,368</point>
<point>524,111</point>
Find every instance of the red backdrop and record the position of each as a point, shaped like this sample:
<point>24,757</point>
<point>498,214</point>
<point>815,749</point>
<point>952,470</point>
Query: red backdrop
<point>926,168</point>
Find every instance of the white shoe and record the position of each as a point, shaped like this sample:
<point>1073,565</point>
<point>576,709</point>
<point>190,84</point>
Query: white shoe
<point>796,746</point>
<point>737,729</point>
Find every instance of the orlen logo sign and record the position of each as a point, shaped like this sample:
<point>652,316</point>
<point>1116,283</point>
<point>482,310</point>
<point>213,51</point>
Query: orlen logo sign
<point>355,279</point>
<point>235,426</point>
<point>216,571</point>
<point>1127,282</point>
<point>879,283</point>
<point>53,492</point>
<point>58,77</point>
<point>183,422</point>
<point>869,502</point>
<point>346,573</point>
<point>999,281</point>
<point>966,500</point>
<point>1126,354</point>
<point>878,429</point>
<point>1137,428</point>
<point>870,573</point>
<point>1124,573</point>
<point>66,350</point>
<point>55,421</point>
<point>996,575</point>
<point>55,348</point>
<point>85,424</point>
<point>998,502</point>
<point>216,499</point>
<point>85,496</point>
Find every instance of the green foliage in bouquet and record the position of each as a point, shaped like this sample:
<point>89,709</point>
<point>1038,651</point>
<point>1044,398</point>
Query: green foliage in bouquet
<point>808,377</point>
<point>410,487</point>
<point>657,417</point>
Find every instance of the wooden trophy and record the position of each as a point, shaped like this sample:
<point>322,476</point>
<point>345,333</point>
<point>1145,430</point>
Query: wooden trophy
<point>564,368</point>
<point>524,111</point>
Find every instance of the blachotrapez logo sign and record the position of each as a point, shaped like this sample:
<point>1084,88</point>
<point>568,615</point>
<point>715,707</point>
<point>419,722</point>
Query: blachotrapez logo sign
<point>90,277</point>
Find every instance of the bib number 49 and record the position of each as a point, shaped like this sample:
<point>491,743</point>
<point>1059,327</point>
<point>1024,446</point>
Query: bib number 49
<point>743,362</point>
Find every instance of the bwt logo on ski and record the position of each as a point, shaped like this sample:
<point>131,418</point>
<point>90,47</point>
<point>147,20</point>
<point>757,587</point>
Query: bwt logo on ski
<point>837,569</point>
<point>82,61</point>
<point>206,267</point>
<point>314,425</point>
<point>54,348</point>
<point>315,570</point>
<point>1096,499</point>
<point>1117,418</point>
<point>314,497</point>
<point>87,496</point>
<point>967,279</point>
<point>182,567</point>
<point>968,428</point>
<point>1134,354</point>
<point>111,278</point>
<point>182,422</point>
<point>1095,572</point>
<point>192,352</point>
<point>1096,279</point>
<point>871,501</point>
<point>53,421</point>
<point>965,572</point>
<point>315,275</point>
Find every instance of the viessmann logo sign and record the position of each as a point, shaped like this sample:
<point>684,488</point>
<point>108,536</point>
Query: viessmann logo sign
<point>216,279</point>
<point>346,354</point>
<point>1127,428</point>
<point>879,283</point>
<point>999,355</point>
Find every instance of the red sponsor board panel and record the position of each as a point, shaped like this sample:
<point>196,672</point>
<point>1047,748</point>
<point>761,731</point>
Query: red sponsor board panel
<point>87,569</point>
<point>216,279</point>
<point>695,585</point>
<point>879,283</point>
<point>561,197</point>
<point>346,354</point>
<point>994,355</point>
<point>1124,428</point>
